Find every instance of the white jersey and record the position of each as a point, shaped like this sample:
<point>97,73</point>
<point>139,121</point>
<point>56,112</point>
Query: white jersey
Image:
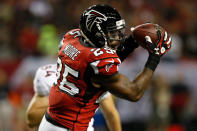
<point>44,79</point>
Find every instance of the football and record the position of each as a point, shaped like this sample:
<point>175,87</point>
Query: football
<point>148,29</point>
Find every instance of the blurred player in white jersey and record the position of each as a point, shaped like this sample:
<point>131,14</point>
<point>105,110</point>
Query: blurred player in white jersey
<point>43,81</point>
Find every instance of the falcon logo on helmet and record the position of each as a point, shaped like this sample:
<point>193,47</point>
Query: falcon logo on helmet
<point>94,17</point>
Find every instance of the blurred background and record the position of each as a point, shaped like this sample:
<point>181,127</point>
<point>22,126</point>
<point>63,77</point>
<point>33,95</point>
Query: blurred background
<point>30,31</point>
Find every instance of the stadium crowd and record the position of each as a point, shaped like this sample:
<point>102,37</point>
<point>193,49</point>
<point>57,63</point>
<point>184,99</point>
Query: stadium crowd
<point>30,31</point>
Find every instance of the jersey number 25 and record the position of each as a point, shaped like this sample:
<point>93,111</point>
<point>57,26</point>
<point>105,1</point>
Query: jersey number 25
<point>65,85</point>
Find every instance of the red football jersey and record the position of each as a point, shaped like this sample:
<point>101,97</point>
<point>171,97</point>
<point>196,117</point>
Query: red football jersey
<point>73,98</point>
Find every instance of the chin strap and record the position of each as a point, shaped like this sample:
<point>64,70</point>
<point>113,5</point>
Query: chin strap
<point>86,39</point>
<point>103,35</point>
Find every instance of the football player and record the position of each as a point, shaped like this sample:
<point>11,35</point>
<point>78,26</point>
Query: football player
<point>43,81</point>
<point>88,65</point>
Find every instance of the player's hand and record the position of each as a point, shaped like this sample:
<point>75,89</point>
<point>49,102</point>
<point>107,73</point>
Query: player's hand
<point>162,46</point>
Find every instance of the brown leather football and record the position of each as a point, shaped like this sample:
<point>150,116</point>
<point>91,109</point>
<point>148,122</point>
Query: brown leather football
<point>144,30</point>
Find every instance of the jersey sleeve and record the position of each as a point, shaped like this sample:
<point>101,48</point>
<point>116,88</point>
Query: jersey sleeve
<point>103,96</point>
<point>107,66</point>
<point>43,81</point>
<point>107,94</point>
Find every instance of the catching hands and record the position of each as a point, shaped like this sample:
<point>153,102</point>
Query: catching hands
<point>156,50</point>
<point>162,46</point>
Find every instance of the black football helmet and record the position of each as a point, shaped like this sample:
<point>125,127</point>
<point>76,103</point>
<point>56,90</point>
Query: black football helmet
<point>97,21</point>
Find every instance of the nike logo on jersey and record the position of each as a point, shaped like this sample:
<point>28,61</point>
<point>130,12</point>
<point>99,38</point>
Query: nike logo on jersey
<point>107,67</point>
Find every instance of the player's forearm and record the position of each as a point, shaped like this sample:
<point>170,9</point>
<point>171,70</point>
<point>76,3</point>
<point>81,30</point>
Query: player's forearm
<point>141,83</point>
<point>36,110</point>
<point>113,121</point>
<point>142,80</point>
<point>34,117</point>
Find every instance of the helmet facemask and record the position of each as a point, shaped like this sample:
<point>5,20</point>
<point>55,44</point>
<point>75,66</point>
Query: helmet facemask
<point>115,33</point>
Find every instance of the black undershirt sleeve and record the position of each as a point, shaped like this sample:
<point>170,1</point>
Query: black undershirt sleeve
<point>127,47</point>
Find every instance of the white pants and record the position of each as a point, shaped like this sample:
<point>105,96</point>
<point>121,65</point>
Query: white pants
<point>47,126</point>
